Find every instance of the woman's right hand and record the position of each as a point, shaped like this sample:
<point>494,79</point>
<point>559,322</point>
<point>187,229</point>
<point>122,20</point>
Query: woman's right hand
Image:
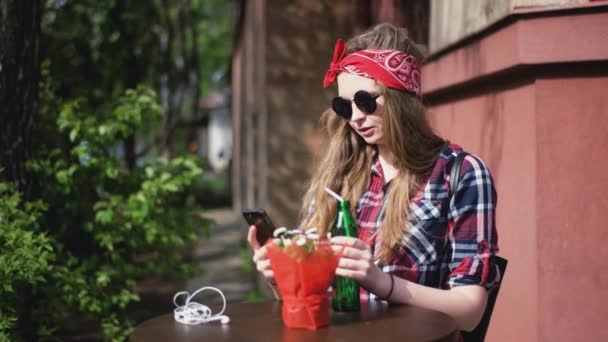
<point>260,255</point>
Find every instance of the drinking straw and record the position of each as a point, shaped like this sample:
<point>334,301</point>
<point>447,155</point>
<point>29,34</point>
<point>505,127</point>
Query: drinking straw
<point>335,195</point>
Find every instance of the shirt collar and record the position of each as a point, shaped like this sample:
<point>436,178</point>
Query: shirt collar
<point>376,168</point>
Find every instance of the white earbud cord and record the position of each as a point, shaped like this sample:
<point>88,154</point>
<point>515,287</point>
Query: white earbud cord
<point>193,313</point>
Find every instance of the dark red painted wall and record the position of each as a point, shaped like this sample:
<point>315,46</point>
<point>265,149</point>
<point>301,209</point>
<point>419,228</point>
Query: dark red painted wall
<point>538,116</point>
<point>572,208</point>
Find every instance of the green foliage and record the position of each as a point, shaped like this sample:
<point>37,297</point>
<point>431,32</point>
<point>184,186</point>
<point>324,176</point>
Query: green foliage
<point>101,48</point>
<point>109,210</point>
<point>248,269</point>
<point>113,225</point>
<point>26,255</point>
<point>105,226</point>
<point>255,296</point>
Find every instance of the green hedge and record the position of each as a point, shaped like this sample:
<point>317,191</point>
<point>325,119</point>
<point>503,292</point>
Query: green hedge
<point>97,226</point>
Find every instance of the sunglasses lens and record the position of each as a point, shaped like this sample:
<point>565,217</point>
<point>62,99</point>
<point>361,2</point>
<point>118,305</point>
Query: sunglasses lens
<point>342,107</point>
<point>365,101</point>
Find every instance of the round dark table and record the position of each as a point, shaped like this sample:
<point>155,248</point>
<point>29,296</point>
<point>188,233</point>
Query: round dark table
<point>377,321</point>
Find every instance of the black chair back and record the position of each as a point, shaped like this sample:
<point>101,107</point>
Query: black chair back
<point>479,333</point>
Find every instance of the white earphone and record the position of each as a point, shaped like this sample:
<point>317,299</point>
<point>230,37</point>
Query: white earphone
<point>193,313</point>
<point>222,318</point>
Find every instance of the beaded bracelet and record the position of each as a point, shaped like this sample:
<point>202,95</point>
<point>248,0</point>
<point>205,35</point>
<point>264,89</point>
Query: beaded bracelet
<point>390,291</point>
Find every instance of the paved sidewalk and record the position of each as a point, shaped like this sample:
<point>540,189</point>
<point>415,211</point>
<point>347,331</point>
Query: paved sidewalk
<point>219,257</point>
<point>220,263</point>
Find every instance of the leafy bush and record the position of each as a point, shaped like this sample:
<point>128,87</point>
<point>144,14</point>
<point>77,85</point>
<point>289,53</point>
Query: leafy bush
<point>25,255</point>
<point>101,222</point>
<point>105,225</point>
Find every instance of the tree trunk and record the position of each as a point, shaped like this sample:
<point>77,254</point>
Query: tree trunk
<point>19,77</point>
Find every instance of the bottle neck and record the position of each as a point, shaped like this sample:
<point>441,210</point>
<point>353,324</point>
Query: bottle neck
<point>345,223</point>
<point>344,205</point>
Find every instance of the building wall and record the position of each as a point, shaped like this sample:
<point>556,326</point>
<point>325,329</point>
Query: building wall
<point>527,96</point>
<point>248,106</point>
<point>452,20</point>
<point>497,126</point>
<point>278,68</point>
<point>300,39</point>
<point>572,127</point>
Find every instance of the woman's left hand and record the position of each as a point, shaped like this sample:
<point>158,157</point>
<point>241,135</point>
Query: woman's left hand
<point>357,260</point>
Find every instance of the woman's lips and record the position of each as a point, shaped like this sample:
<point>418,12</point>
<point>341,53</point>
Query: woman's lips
<point>366,132</point>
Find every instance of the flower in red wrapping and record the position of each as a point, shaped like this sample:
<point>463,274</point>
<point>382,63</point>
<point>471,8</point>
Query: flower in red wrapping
<point>303,272</point>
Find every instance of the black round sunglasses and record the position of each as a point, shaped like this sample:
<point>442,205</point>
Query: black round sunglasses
<point>365,101</point>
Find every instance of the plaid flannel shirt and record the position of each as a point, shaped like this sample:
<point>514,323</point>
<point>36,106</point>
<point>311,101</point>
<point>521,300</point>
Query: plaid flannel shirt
<point>446,244</point>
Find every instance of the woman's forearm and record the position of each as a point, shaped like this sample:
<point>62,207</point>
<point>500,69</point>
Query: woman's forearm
<point>465,304</point>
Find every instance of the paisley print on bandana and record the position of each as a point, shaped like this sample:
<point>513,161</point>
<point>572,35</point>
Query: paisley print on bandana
<point>396,69</point>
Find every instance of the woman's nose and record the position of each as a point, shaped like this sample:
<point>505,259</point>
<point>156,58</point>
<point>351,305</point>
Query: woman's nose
<point>357,113</point>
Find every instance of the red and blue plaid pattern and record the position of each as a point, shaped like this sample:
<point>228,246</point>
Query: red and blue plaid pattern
<point>446,244</point>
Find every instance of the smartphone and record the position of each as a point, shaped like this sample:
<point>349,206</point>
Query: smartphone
<point>260,219</point>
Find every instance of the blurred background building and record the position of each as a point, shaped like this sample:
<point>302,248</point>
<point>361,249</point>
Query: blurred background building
<point>520,83</point>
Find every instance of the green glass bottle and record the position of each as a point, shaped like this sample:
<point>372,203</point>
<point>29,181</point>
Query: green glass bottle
<point>346,291</point>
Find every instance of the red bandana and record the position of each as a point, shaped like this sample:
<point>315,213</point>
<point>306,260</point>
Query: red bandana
<point>395,69</point>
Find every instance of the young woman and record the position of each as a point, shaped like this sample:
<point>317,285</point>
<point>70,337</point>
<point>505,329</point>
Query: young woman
<point>420,242</point>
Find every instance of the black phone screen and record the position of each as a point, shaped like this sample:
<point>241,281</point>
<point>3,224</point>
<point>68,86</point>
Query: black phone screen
<point>260,219</point>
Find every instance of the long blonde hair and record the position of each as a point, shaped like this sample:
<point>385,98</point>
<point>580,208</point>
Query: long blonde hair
<point>345,168</point>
